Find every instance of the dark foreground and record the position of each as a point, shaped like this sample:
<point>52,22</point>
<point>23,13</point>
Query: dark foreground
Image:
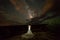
<point>41,32</point>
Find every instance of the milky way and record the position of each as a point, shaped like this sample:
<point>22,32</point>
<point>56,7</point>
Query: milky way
<point>14,10</point>
<point>17,10</point>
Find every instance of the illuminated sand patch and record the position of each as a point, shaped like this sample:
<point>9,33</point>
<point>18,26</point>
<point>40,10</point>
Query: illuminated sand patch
<point>29,33</point>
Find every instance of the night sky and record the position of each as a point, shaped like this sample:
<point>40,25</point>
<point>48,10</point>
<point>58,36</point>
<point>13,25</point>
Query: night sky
<point>12,11</point>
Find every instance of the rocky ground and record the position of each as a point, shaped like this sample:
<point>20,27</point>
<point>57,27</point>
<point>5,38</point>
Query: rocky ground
<point>37,36</point>
<point>40,33</point>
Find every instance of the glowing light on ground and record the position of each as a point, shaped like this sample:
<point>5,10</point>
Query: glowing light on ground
<point>29,33</point>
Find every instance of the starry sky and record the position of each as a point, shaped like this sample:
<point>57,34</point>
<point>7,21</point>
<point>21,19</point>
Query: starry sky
<point>11,11</point>
<point>17,10</point>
